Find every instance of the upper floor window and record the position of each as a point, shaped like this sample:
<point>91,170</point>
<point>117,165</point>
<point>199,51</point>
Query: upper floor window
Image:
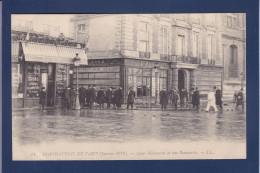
<point>81,28</point>
<point>181,45</point>
<point>195,44</point>
<point>231,22</point>
<point>164,40</point>
<point>144,40</point>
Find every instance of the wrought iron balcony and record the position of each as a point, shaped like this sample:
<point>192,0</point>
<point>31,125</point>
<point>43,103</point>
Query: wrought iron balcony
<point>165,57</point>
<point>144,55</point>
<point>186,59</point>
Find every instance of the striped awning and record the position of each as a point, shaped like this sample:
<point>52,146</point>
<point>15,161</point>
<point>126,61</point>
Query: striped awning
<point>15,51</point>
<point>48,53</point>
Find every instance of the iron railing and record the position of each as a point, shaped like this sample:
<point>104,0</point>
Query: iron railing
<point>144,54</point>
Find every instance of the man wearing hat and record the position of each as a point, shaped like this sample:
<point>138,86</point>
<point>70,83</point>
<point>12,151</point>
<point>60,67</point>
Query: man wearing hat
<point>130,98</point>
<point>240,99</point>
<point>101,98</point>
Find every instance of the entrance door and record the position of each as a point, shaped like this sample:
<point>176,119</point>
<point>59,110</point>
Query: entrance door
<point>181,80</point>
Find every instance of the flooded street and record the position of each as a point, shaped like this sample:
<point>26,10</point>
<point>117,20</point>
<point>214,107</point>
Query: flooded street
<point>35,127</point>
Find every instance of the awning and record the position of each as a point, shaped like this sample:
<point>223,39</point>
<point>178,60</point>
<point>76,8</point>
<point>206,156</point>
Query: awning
<point>15,51</point>
<point>48,53</point>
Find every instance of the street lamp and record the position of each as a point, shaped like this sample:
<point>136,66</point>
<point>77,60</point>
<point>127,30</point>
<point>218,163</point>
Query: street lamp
<point>156,71</point>
<point>241,74</point>
<point>77,64</point>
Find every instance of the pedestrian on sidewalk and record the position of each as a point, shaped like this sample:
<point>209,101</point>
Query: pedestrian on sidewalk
<point>109,97</point>
<point>130,98</point>
<point>42,96</point>
<point>163,99</point>
<point>183,96</point>
<point>82,96</point>
<point>211,101</point>
<point>72,97</point>
<point>87,95</point>
<point>101,98</point>
<point>240,99</point>
<point>119,97</point>
<point>218,97</point>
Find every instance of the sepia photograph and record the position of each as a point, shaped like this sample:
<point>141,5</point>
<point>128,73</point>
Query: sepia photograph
<point>168,86</point>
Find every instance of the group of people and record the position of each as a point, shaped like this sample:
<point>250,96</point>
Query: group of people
<point>181,96</point>
<point>89,96</point>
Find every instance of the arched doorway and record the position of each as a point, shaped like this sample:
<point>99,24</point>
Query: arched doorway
<point>233,62</point>
<point>182,79</point>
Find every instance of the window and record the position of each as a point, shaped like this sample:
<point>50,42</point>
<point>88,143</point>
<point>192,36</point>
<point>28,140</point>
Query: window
<point>164,42</point>
<point>81,28</point>
<point>209,46</point>
<point>233,65</point>
<point>144,40</point>
<point>231,22</point>
<point>181,45</point>
<point>195,44</point>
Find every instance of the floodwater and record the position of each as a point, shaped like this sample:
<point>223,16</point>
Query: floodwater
<point>35,126</point>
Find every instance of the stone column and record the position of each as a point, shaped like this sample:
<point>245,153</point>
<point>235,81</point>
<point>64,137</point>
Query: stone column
<point>175,78</point>
<point>193,79</point>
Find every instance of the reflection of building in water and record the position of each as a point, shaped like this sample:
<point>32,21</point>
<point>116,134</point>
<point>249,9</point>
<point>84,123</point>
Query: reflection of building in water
<point>40,60</point>
<point>190,49</point>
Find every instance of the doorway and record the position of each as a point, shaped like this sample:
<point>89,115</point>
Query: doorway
<point>182,79</point>
<point>48,81</point>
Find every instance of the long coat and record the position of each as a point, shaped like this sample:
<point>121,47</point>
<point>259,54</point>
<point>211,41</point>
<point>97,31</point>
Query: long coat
<point>92,95</point>
<point>218,97</point>
<point>174,96</point>
<point>163,97</point>
<point>72,95</point>
<point>101,97</point>
<point>196,98</point>
<point>108,96</point>
<point>131,96</point>
<point>119,95</point>
<point>82,93</point>
<point>240,98</point>
<point>42,96</point>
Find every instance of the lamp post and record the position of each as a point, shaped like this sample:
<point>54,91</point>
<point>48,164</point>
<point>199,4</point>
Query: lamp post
<point>77,64</point>
<point>156,71</point>
<point>241,74</point>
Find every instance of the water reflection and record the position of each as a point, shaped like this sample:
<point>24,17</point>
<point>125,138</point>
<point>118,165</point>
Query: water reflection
<point>125,126</point>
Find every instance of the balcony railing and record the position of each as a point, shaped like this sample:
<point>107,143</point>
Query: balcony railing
<point>144,55</point>
<point>165,57</point>
<point>186,59</point>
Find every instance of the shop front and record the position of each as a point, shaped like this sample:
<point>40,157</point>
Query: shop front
<point>42,65</point>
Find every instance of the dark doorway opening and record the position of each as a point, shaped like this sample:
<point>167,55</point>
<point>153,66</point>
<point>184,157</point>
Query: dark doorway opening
<point>181,79</point>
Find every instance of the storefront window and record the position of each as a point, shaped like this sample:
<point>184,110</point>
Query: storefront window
<point>17,80</point>
<point>61,79</point>
<point>33,81</point>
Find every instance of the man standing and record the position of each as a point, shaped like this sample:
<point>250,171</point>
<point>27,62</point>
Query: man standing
<point>218,97</point>
<point>175,98</point>
<point>101,98</point>
<point>109,97</point>
<point>82,96</point>
<point>240,99</point>
<point>130,98</point>
<point>67,97</point>
<point>92,96</point>
<point>87,95</point>
<point>113,98</point>
<point>119,96</point>
<point>196,99</point>
<point>211,101</point>
<point>42,96</point>
<point>163,99</point>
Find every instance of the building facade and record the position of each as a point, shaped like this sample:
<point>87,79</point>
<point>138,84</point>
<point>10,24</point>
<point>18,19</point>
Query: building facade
<point>39,60</point>
<point>191,50</point>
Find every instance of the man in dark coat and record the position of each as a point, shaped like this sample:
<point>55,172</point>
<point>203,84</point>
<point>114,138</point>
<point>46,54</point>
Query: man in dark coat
<point>87,95</point>
<point>101,98</point>
<point>82,96</point>
<point>113,98</point>
<point>240,99</point>
<point>130,98</point>
<point>109,97</point>
<point>218,96</point>
<point>67,98</point>
<point>196,99</point>
<point>92,96</point>
<point>72,97</point>
<point>174,97</point>
<point>42,95</point>
<point>119,97</point>
<point>163,99</point>
<point>183,96</point>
